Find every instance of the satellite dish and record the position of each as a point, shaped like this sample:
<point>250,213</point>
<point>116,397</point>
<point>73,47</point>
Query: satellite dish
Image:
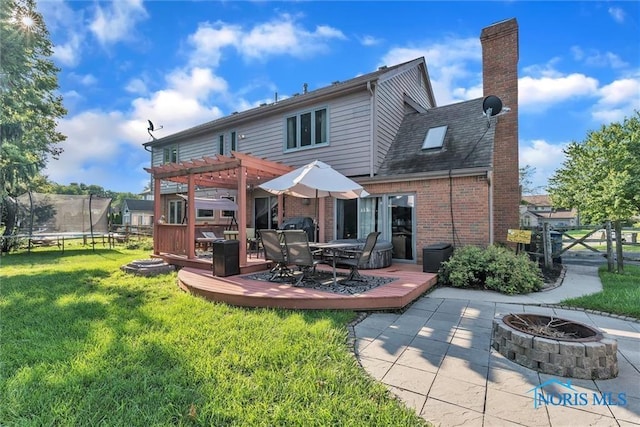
<point>491,106</point>
<point>151,128</point>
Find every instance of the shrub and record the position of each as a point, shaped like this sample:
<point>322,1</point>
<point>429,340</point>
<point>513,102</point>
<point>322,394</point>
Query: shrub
<point>496,268</point>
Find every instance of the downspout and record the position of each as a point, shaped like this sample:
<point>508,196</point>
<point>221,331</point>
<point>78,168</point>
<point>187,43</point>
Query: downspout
<point>372,122</point>
<point>491,231</point>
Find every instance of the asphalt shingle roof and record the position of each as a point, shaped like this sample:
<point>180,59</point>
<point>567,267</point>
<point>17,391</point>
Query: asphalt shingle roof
<point>139,205</point>
<point>468,142</point>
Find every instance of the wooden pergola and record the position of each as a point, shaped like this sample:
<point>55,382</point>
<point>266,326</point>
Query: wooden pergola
<point>239,171</point>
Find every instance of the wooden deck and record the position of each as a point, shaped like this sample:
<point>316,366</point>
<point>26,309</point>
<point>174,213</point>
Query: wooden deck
<point>238,290</point>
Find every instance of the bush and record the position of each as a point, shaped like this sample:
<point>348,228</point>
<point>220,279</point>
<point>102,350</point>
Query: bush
<point>495,268</point>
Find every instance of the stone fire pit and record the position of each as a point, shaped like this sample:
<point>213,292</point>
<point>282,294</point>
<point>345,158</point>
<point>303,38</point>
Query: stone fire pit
<point>147,267</point>
<point>555,346</point>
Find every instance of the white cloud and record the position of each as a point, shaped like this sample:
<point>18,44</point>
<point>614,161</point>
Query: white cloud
<point>67,25</point>
<point>137,86</point>
<point>68,53</point>
<point>285,36</point>
<point>93,137</point>
<point>617,100</point>
<point>281,36</point>
<point>209,40</point>
<point>116,22</point>
<point>606,59</point>
<point>538,94</point>
<point>99,142</point>
<point>454,66</point>
<point>596,58</point>
<point>198,83</point>
<point>369,40</point>
<point>88,80</point>
<point>617,14</point>
<point>545,157</point>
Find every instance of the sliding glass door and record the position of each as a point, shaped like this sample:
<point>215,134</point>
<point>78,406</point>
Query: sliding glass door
<point>401,215</point>
<point>266,213</point>
<point>393,215</point>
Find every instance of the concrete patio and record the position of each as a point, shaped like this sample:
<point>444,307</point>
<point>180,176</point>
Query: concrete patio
<point>436,357</point>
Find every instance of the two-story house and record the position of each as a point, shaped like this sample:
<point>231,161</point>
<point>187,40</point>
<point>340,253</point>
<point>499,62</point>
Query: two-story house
<point>535,210</point>
<point>434,174</point>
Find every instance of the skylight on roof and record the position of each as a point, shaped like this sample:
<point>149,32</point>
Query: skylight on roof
<point>434,138</point>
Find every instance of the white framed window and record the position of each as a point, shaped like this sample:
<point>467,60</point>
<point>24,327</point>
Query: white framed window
<point>176,209</point>
<point>221,144</point>
<point>170,154</point>
<point>204,213</point>
<point>306,129</point>
<point>233,141</point>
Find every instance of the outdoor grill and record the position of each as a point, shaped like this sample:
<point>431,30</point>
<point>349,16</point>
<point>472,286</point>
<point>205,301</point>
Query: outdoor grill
<point>300,223</point>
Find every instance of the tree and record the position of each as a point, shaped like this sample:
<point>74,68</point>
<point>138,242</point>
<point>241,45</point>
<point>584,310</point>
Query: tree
<point>601,175</point>
<point>30,104</point>
<point>526,182</point>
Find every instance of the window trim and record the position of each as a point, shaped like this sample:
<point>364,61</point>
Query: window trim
<point>221,144</point>
<point>233,141</point>
<point>312,131</point>
<point>170,152</point>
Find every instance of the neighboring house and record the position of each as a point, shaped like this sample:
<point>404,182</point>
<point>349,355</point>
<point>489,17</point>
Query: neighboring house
<point>147,194</point>
<point>434,174</point>
<point>137,212</point>
<point>537,210</point>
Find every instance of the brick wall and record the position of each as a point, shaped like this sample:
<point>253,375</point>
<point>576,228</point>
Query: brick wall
<point>470,201</point>
<point>500,78</point>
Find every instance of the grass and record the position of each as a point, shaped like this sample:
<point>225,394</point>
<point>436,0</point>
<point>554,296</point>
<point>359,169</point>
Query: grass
<point>620,293</point>
<point>85,344</point>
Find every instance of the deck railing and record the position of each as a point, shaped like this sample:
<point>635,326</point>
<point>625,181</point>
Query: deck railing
<point>171,238</point>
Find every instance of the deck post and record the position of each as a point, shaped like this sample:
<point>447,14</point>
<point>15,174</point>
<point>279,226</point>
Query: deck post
<point>191,217</point>
<point>157,213</point>
<point>242,214</point>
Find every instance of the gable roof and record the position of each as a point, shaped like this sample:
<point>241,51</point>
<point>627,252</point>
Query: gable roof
<point>468,143</point>
<point>345,87</point>
<point>139,205</point>
<point>538,200</point>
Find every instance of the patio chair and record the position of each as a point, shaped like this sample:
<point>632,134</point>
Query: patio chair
<point>300,254</point>
<point>356,258</point>
<point>253,243</point>
<point>274,251</point>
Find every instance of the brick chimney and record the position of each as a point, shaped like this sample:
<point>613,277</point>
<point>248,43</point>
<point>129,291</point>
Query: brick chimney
<point>500,78</point>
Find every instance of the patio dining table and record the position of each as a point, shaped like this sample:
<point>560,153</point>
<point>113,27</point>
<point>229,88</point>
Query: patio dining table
<point>333,249</point>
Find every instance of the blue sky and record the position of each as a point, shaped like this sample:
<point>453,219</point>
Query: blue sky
<point>182,63</point>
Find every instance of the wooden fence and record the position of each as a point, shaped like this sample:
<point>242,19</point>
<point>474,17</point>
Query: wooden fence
<point>552,243</point>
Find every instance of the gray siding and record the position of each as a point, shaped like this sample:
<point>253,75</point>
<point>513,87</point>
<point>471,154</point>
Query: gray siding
<point>349,138</point>
<point>390,107</point>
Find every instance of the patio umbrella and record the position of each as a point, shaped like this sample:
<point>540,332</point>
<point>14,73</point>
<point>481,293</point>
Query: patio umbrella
<point>314,180</point>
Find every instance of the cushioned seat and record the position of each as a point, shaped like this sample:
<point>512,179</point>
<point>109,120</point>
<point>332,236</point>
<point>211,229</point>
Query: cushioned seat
<point>381,255</point>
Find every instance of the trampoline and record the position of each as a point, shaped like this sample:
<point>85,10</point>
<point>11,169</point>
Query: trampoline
<point>46,219</point>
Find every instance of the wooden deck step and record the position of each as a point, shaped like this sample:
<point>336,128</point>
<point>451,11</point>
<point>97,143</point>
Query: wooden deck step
<point>241,291</point>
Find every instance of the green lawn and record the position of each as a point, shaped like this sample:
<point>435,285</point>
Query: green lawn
<point>620,294</point>
<point>85,344</point>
